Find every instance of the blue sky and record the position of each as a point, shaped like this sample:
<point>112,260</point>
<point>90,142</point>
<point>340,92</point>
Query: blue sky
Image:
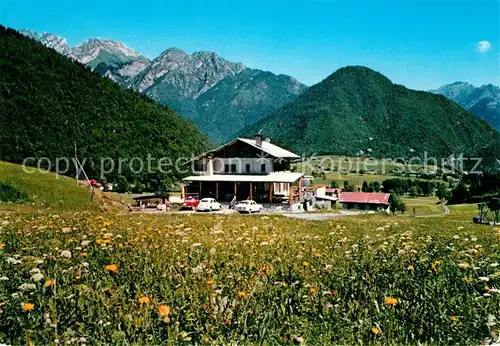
<point>420,44</point>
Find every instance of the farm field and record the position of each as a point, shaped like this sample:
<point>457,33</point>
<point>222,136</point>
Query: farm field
<point>351,169</point>
<point>88,278</point>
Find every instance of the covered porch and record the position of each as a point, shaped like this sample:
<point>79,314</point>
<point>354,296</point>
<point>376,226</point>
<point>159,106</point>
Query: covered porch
<point>274,188</point>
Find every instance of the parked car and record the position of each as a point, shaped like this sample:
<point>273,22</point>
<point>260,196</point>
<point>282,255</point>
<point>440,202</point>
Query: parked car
<point>208,204</point>
<point>190,203</point>
<point>248,206</point>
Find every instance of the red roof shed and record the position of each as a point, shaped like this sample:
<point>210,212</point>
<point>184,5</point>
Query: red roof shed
<point>365,197</point>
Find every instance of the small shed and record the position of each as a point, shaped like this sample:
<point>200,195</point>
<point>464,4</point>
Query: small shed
<point>376,201</point>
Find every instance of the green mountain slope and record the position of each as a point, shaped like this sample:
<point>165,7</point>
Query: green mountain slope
<point>359,111</point>
<point>47,102</point>
<point>243,99</point>
<point>45,190</point>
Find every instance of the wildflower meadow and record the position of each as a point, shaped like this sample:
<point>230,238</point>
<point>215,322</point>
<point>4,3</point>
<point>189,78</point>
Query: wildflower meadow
<point>89,279</point>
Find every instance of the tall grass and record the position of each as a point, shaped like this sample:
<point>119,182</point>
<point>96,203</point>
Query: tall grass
<point>144,279</point>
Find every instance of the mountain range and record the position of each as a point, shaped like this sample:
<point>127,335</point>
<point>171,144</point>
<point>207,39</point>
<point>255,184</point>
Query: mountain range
<point>483,101</point>
<point>358,111</point>
<point>354,111</point>
<point>219,96</point>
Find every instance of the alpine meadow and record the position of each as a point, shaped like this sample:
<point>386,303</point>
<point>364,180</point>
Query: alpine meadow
<point>193,173</point>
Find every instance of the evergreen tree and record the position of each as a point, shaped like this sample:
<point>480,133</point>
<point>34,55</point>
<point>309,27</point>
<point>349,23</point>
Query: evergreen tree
<point>364,187</point>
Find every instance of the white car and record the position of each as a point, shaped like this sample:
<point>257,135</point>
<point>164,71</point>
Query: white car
<point>208,204</point>
<point>248,206</point>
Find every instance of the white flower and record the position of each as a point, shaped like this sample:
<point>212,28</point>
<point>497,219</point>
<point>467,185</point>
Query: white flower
<point>27,287</point>
<point>39,261</point>
<point>494,290</point>
<point>4,278</point>
<point>495,264</point>
<point>12,260</point>
<point>198,269</point>
<point>37,277</point>
<point>264,243</point>
<point>85,264</point>
<point>5,223</point>
<point>473,239</point>
<point>463,265</point>
<point>85,243</point>
<point>66,254</point>
<point>456,237</point>
<point>484,278</point>
<point>34,271</point>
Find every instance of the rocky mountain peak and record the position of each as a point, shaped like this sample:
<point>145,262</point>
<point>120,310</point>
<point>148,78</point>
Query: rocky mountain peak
<point>90,49</point>
<point>191,74</point>
<point>55,42</point>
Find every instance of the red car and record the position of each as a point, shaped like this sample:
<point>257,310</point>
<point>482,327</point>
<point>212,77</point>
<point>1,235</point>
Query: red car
<point>190,202</point>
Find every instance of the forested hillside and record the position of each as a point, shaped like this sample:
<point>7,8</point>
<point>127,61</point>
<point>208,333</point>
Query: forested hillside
<point>243,99</point>
<point>47,102</point>
<point>357,111</point>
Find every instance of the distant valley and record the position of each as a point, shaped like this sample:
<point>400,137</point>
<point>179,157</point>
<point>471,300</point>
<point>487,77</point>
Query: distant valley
<point>219,96</point>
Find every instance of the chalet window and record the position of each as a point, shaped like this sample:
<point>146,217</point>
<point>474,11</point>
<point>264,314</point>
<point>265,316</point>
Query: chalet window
<point>230,168</point>
<point>200,167</point>
<point>263,168</point>
<point>247,168</point>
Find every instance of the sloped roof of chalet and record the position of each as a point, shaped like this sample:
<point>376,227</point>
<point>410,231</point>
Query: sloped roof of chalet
<point>267,147</point>
<point>274,177</point>
<point>271,149</point>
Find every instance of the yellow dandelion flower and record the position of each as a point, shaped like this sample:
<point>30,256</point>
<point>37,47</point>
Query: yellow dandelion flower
<point>49,283</point>
<point>305,264</point>
<point>211,282</point>
<point>111,268</point>
<point>144,300</point>
<point>411,268</point>
<point>453,318</point>
<point>376,331</point>
<point>242,294</point>
<point>390,301</point>
<point>2,245</point>
<point>107,224</point>
<point>164,311</point>
<point>27,306</point>
<point>486,288</point>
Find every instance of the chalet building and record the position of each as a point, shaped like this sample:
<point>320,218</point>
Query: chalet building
<point>246,169</point>
<point>376,201</point>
